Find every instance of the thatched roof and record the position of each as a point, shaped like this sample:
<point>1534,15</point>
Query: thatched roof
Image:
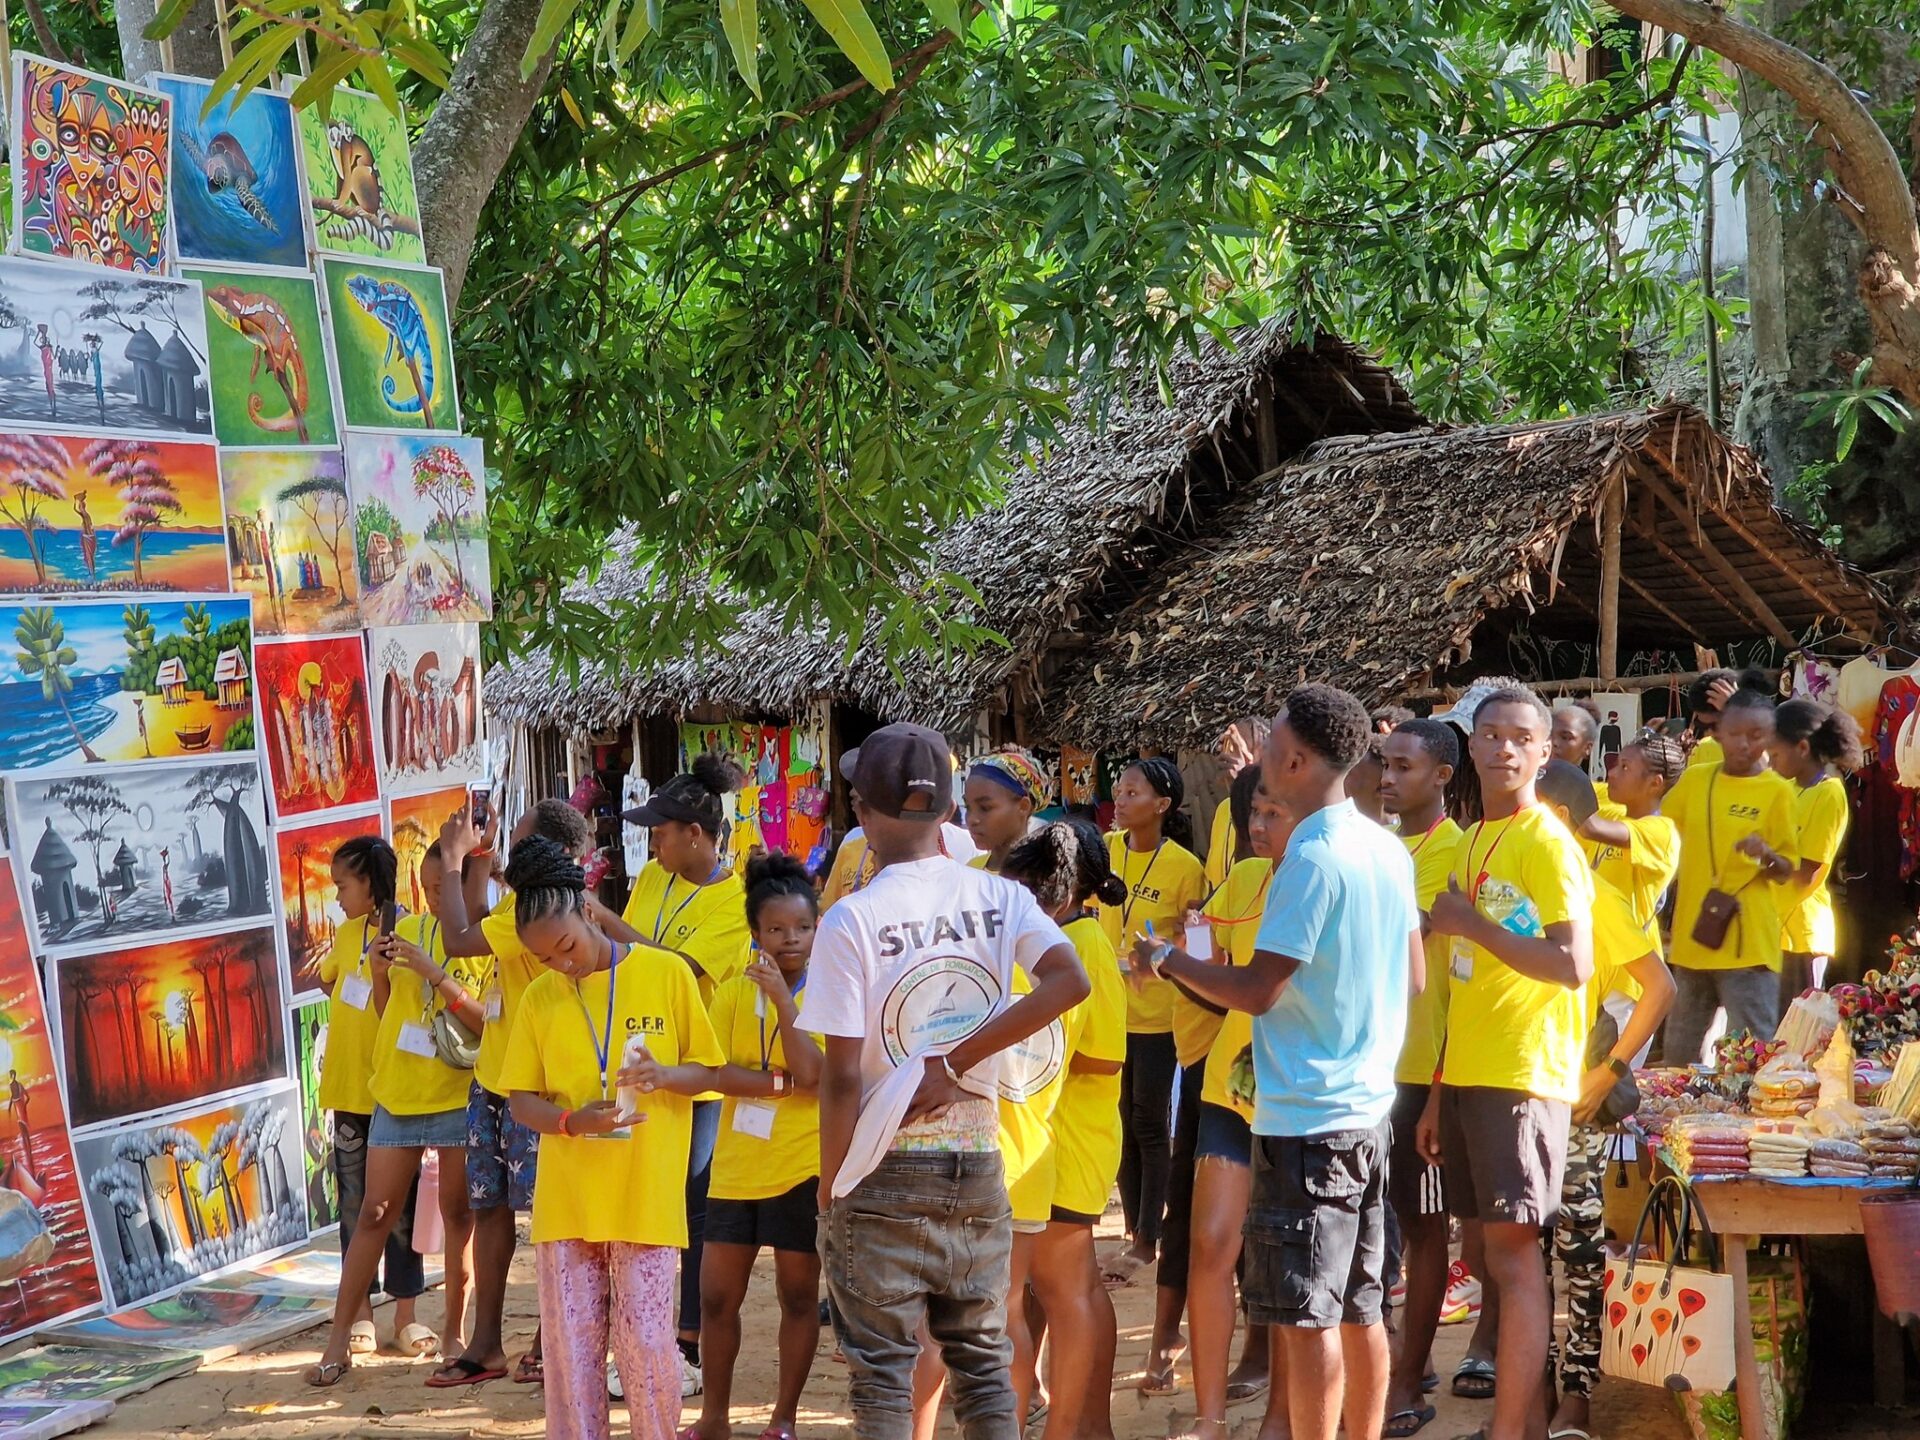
<point>1105,499</point>
<point>1384,564</point>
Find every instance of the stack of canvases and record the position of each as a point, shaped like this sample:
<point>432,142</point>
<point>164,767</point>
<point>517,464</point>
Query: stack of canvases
<point>159,280</point>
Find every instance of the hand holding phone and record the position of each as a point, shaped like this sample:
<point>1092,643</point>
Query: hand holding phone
<point>482,804</point>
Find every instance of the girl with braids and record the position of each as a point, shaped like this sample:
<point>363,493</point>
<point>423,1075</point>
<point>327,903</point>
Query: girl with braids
<point>766,1163</point>
<point>1635,848</point>
<point>1003,792</point>
<point>605,1230</point>
<point>1815,746</point>
<point>1164,880</point>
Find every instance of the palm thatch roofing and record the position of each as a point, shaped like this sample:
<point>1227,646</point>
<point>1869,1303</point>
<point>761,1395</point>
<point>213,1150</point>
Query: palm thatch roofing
<point>1104,503</point>
<point>1384,563</point>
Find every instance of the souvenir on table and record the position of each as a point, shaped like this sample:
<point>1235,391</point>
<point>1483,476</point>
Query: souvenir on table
<point>392,345</point>
<point>267,358</point>
<point>236,182</point>
<point>307,896</point>
<point>213,1324</point>
<point>290,540</point>
<point>89,1372</point>
<point>90,166</point>
<point>131,853</point>
<point>359,170</point>
<point>426,697</point>
<point>421,519</point>
<point>316,728</point>
<point>414,822</point>
<point>316,1122</point>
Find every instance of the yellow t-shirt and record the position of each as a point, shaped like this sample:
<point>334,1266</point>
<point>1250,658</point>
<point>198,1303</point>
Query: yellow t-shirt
<point>346,1071</point>
<point>1162,885</point>
<point>1740,805</point>
<point>595,1188</point>
<point>405,1083</point>
<point>1237,907</point>
<point>1433,857</point>
<point>1618,941</point>
<point>1504,1029</point>
<point>1086,1119</point>
<point>513,968</point>
<point>1820,815</point>
<point>854,866</point>
<point>1642,869</point>
<point>1220,861</point>
<point>705,922</point>
<point>746,1167</point>
<point>1032,1075</point>
<point>1707,752</point>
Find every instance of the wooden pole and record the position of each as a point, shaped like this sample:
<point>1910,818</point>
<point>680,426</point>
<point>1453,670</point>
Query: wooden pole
<point>1612,515</point>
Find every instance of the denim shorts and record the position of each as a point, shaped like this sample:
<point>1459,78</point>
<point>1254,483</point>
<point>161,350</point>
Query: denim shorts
<point>502,1154</point>
<point>1223,1136</point>
<point>441,1130</point>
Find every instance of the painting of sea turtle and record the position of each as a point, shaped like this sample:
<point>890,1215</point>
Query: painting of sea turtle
<point>236,176</point>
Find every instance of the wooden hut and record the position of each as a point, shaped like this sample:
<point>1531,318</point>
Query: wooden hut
<point>380,558</point>
<point>171,677</point>
<point>230,677</point>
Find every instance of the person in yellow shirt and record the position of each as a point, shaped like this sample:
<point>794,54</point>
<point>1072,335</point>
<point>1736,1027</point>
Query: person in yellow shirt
<point>1518,914</point>
<point>1816,745</point>
<point>1739,851</point>
<point>606,1232</point>
<point>1634,847</point>
<point>420,1102</point>
<point>1706,700</point>
<point>766,1163</point>
<point>1004,791</point>
<point>1239,747</point>
<point>1164,880</point>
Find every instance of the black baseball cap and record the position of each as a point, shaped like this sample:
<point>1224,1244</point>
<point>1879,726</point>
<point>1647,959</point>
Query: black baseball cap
<point>896,765</point>
<point>682,799</point>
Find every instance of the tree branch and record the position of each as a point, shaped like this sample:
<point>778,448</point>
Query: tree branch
<point>43,34</point>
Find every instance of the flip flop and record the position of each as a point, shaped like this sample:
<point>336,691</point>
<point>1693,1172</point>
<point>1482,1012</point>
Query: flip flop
<point>1241,1391</point>
<point>1429,1382</point>
<point>1474,1380</point>
<point>327,1374</point>
<point>1410,1421</point>
<point>778,1432</point>
<point>1572,1432</point>
<point>1118,1272</point>
<point>463,1371</point>
<point>530,1370</point>
<point>1161,1382</point>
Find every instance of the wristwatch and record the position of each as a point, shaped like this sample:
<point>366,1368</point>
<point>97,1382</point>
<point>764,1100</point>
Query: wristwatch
<point>780,1082</point>
<point>1618,1066</point>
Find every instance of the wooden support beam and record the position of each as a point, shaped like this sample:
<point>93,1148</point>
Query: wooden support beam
<point>1748,595</point>
<point>1612,515</point>
<point>1685,626</point>
<point>1586,684</point>
<point>1686,567</point>
<point>1267,427</point>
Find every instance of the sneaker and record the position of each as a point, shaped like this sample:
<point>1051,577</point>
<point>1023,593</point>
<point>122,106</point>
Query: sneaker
<point>1464,1291</point>
<point>690,1382</point>
<point>615,1390</point>
<point>1398,1295</point>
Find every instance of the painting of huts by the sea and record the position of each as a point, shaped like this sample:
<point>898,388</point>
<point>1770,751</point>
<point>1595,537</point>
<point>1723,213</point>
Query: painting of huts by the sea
<point>290,539</point>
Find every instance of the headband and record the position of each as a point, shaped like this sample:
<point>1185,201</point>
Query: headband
<point>1017,772</point>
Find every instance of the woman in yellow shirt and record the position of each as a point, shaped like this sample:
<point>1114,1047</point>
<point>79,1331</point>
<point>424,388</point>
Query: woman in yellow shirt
<point>1815,746</point>
<point>606,1230</point>
<point>766,1163</point>
<point>1003,791</point>
<point>1636,849</point>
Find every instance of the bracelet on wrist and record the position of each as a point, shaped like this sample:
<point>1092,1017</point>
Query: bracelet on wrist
<point>561,1128</point>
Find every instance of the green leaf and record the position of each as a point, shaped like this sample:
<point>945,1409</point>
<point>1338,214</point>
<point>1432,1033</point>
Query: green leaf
<point>1849,432</point>
<point>946,14</point>
<point>167,19</point>
<point>554,15</point>
<point>852,30</point>
<point>325,76</point>
<point>639,25</point>
<point>741,20</point>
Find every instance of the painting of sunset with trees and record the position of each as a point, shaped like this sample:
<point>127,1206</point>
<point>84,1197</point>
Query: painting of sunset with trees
<point>307,896</point>
<point>413,824</point>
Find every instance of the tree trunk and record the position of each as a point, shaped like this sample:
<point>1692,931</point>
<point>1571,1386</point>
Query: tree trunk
<point>195,45</point>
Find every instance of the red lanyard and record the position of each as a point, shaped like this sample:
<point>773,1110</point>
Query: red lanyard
<point>1480,876</point>
<point>1438,821</point>
<point>1260,906</point>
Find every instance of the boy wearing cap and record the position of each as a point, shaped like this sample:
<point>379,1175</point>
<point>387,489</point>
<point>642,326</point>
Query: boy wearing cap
<point>911,985</point>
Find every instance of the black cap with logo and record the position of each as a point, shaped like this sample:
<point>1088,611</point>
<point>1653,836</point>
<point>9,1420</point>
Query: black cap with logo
<point>902,771</point>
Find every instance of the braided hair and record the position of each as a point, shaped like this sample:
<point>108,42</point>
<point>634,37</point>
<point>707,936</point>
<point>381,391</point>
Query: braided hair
<point>1065,862</point>
<point>1666,756</point>
<point>547,882</point>
<point>373,860</point>
<point>772,876</point>
<point>1163,777</point>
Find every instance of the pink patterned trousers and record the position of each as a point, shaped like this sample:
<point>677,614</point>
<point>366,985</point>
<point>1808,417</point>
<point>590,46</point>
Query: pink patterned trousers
<point>592,1293</point>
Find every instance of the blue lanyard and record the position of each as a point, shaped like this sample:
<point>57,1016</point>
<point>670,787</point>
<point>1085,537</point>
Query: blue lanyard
<point>760,1011</point>
<point>602,1043</point>
<point>663,922</point>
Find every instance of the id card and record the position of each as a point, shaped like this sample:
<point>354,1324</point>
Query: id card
<point>1460,965</point>
<point>356,991</point>
<point>753,1117</point>
<point>417,1039</point>
<point>492,1004</point>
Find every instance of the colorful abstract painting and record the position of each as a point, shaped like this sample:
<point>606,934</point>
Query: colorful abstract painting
<point>316,1121</point>
<point>213,1324</point>
<point>90,167</point>
<point>317,731</point>
<point>307,896</point>
<point>147,1027</point>
<point>360,179</point>
<point>267,358</point>
<point>290,539</point>
<point>413,824</point>
<point>82,516</point>
<point>236,176</point>
<point>46,1259</point>
<point>30,1420</point>
<point>179,1199</point>
<point>392,344</point>
<point>426,704</point>
<point>125,353</point>
<point>111,680</point>
<point>89,1372</point>
<point>137,853</point>
<point>420,523</point>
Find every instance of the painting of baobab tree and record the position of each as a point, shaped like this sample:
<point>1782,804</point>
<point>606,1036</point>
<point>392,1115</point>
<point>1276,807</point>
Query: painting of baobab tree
<point>100,515</point>
<point>46,1258</point>
<point>420,520</point>
<point>174,1201</point>
<point>148,1027</point>
<point>130,854</point>
<point>316,729</point>
<point>413,823</point>
<point>307,897</point>
<point>290,539</point>
<point>426,700</point>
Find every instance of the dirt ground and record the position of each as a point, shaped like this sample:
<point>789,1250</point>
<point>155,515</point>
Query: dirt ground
<point>261,1395</point>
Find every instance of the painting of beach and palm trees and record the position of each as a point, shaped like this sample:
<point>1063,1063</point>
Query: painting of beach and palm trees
<point>93,516</point>
<point>152,1026</point>
<point>126,353</point>
<point>316,1121</point>
<point>290,539</point>
<point>421,529</point>
<point>413,823</point>
<point>236,180</point>
<point>307,897</point>
<point>127,854</point>
<point>318,734</point>
<point>267,358</point>
<point>392,345</point>
<point>46,1259</point>
<point>426,700</point>
<point>112,680</point>
<point>176,1200</point>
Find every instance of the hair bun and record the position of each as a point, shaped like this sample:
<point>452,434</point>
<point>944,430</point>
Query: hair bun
<point>774,865</point>
<point>538,863</point>
<point>1111,891</point>
<point>717,774</point>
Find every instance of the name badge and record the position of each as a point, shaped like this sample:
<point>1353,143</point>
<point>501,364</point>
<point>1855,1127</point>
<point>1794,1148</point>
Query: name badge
<point>492,1005</point>
<point>356,991</point>
<point>753,1117</point>
<point>1461,953</point>
<point>417,1039</point>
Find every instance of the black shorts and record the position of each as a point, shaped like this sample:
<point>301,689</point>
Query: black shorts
<point>1506,1154</point>
<point>1317,1229</point>
<point>1063,1216</point>
<point>780,1222</point>
<point>1413,1186</point>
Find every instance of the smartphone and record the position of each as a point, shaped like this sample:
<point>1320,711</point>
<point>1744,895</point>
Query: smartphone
<point>481,797</point>
<point>389,917</point>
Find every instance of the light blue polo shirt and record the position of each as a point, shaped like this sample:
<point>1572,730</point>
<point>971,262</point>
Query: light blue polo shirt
<point>1342,904</point>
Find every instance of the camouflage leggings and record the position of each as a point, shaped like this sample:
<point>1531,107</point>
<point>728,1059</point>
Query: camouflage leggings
<point>1577,1241</point>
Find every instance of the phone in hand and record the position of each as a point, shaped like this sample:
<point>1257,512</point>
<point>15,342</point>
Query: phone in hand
<point>389,917</point>
<point>481,804</point>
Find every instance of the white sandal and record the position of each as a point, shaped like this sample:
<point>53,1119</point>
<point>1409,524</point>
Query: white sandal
<point>417,1339</point>
<point>362,1339</point>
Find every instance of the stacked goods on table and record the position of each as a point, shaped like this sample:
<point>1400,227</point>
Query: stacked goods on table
<point>1901,1093</point>
<point>1668,1095</point>
<point>1709,1146</point>
<point>1777,1150</point>
<point>1809,1023</point>
<point>1785,1086</point>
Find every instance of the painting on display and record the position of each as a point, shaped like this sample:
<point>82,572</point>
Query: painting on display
<point>236,176</point>
<point>414,823</point>
<point>307,896</point>
<point>316,729</point>
<point>125,353</point>
<point>359,167</point>
<point>267,358</point>
<point>290,539</point>
<point>46,1259</point>
<point>109,680</point>
<point>128,854</point>
<point>213,1324</point>
<point>91,167</point>
<point>147,1027</point>
<point>1619,723</point>
<point>316,1121</point>
<point>31,1420</point>
<point>392,344</point>
<point>175,1200</point>
<point>89,1372</point>
<point>420,520</point>
<point>426,695</point>
<point>86,516</point>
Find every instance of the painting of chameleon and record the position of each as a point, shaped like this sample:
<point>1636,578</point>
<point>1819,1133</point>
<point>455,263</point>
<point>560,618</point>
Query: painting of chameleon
<point>268,360</point>
<point>392,344</point>
<point>359,179</point>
